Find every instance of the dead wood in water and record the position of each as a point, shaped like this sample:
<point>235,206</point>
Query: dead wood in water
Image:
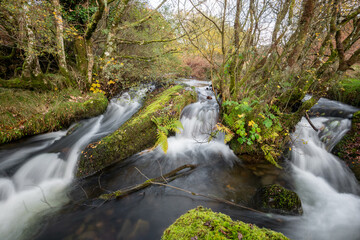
<point>168,177</point>
<point>163,181</point>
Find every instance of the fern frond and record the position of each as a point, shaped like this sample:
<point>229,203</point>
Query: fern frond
<point>228,133</point>
<point>270,154</point>
<point>175,126</point>
<point>162,141</point>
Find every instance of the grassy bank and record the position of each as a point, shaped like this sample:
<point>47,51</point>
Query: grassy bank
<point>26,113</point>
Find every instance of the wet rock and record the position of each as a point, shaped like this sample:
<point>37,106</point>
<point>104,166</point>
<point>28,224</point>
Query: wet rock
<point>276,199</point>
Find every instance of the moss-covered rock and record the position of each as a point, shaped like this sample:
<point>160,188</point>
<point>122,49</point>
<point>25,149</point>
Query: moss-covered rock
<point>26,113</point>
<point>202,223</point>
<point>136,134</point>
<point>276,199</point>
<point>348,149</point>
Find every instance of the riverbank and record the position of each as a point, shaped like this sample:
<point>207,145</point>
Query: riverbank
<point>26,113</point>
<point>348,149</point>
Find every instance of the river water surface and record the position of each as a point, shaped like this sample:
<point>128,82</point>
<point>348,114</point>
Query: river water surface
<point>39,198</point>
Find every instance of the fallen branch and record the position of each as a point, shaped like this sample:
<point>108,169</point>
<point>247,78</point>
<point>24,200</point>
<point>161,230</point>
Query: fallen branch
<point>162,181</point>
<point>168,177</point>
<point>311,124</point>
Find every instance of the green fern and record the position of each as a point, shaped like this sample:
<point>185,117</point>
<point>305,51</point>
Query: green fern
<point>162,141</point>
<point>270,155</point>
<point>165,124</point>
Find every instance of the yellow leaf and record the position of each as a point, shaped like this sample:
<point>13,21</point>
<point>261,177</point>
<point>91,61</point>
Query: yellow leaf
<point>251,123</point>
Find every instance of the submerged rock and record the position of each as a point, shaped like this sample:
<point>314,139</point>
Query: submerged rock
<point>135,135</point>
<point>202,223</point>
<point>276,199</point>
<point>348,149</point>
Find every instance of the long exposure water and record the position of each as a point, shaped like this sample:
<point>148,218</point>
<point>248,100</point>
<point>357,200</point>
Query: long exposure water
<point>39,199</point>
<point>35,174</point>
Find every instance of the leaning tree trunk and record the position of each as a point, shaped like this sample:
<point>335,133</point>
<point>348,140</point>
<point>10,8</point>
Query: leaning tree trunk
<point>304,24</point>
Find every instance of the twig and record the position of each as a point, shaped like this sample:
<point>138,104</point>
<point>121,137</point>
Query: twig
<point>45,200</point>
<point>311,124</point>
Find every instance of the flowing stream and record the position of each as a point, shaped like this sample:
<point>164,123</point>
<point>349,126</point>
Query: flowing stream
<point>39,199</point>
<point>35,174</point>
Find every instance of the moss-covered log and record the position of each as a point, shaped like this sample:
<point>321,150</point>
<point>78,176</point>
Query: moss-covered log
<point>136,134</point>
<point>202,223</point>
<point>348,149</point>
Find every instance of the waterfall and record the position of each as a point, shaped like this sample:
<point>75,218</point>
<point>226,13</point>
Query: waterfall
<point>34,177</point>
<point>325,185</point>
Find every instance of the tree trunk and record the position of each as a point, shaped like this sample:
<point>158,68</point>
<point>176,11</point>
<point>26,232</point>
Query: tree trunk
<point>304,24</point>
<point>90,60</point>
<point>31,64</point>
<point>233,70</point>
<point>91,27</point>
<point>60,37</point>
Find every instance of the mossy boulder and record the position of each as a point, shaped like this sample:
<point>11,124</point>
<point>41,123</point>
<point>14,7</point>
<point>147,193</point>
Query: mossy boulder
<point>202,223</point>
<point>277,199</point>
<point>348,149</point>
<point>135,135</point>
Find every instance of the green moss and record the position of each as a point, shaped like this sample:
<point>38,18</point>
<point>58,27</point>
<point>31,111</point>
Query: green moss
<point>136,134</point>
<point>274,198</point>
<point>26,113</point>
<point>348,149</point>
<point>347,91</point>
<point>202,223</point>
<point>43,82</point>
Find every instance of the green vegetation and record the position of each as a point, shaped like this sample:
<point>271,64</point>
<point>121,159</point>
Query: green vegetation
<point>136,134</point>
<point>348,149</point>
<point>26,113</point>
<point>165,124</point>
<point>257,128</point>
<point>276,199</point>
<point>347,91</point>
<point>202,223</point>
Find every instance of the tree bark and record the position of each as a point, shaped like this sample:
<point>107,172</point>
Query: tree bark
<point>304,24</point>
<point>89,33</point>
<point>31,64</point>
<point>60,37</point>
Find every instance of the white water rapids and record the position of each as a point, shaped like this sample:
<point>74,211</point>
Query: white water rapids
<point>33,177</point>
<point>329,192</point>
